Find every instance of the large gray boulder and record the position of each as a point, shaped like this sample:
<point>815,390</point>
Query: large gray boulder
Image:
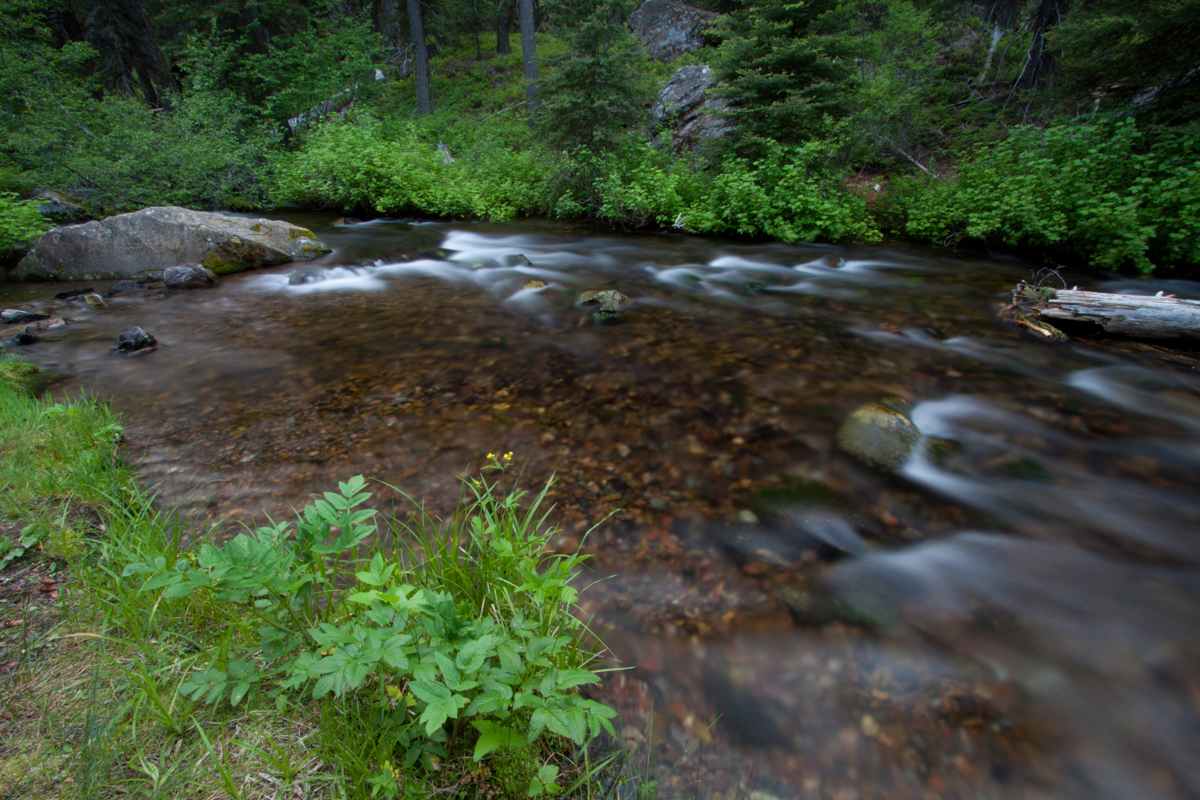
<point>130,245</point>
<point>668,28</point>
<point>688,107</point>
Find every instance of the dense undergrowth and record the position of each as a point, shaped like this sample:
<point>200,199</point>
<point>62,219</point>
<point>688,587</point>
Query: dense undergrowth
<point>334,656</point>
<point>967,145</point>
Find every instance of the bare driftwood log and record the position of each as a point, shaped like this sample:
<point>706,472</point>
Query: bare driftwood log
<point>1133,315</point>
<point>1040,309</point>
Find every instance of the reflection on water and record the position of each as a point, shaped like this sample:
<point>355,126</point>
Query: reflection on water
<point>1013,614</point>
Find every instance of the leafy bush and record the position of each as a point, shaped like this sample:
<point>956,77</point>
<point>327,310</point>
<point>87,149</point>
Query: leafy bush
<point>465,643</point>
<point>1098,190</point>
<point>790,194</point>
<point>20,222</point>
<point>362,164</point>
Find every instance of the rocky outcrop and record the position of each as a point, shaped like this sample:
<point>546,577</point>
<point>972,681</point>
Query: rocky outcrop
<point>687,106</point>
<point>59,209</point>
<point>668,28</point>
<point>131,245</point>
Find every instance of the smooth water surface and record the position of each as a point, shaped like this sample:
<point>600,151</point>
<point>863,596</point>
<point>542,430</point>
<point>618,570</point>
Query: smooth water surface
<point>1016,613</point>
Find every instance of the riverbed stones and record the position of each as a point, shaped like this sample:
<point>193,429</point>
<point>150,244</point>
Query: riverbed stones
<point>129,245</point>
<point>131,340</point>
<point>93,300</point>
<point>669,28</point>
<point>18,316</point>
<point>879,435</point>
<point>188,276</point>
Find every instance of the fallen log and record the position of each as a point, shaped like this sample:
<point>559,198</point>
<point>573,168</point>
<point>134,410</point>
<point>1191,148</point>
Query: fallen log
<point>1138,316</point>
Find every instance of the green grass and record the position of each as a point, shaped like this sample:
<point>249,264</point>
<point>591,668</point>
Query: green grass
<point>176,666</point>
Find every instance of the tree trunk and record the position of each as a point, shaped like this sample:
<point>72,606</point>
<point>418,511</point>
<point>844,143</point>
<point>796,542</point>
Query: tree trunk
<point>421,56</point>
<point>387,22</point>
<point>1134,315</point>
<point>1038,61</point>
<point>529,52</point>
<point>504,20</point>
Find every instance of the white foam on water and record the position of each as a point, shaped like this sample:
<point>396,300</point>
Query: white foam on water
<point>334,279</point>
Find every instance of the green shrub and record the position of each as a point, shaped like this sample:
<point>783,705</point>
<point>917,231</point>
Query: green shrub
<point>465,643</point>
<point>20,223</point>
<point>396,168</point>
<point>1095,190</point>
<point>790,194</point>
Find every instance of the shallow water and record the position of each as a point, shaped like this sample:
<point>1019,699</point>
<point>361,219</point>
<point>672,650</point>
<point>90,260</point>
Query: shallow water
<point>1019,614</point>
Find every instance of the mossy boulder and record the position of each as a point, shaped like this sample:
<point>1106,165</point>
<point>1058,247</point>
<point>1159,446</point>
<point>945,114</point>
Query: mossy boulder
<point>129,245</point>
<point>879,435</point>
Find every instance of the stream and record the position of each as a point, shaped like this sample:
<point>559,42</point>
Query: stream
<point>1014,612</point>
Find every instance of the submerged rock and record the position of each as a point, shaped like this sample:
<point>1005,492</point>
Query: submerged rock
<point>669,28</point>
<point>16,316</point>
<point>602,300</point>
<point>515,260</point>
<point>129,245</point>
<point>189,276</point>
<point>45,325</point>
<point>299,277</point>
<point>534,284</point>
<point>93,300</point>
<point>22,339</point>
<point>606,305</point>
<point>133,339</point>
<point>879,435</point>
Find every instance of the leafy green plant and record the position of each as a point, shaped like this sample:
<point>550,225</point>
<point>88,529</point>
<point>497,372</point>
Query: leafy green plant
<point>20,222</point>
<point>467,647</point>
<point>30,538</point>
<point>1099,190</point>
<point>789,194</point>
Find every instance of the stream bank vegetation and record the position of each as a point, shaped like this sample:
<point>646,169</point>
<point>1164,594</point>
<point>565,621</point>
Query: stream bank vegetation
<point>336,655</point>
<point>1067,131</point>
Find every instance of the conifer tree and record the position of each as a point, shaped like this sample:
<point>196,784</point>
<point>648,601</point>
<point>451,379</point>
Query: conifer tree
<point>782,74</point>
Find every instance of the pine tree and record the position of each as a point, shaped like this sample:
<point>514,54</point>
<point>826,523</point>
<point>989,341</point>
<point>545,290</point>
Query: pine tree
<point>596,94</point>
<point>782,74</point>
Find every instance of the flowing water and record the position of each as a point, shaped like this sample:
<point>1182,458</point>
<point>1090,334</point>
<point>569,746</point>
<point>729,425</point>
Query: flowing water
<point>1013,613</point>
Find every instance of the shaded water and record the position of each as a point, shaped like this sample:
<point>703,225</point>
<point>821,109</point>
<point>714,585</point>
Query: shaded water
<point>1021,622</point>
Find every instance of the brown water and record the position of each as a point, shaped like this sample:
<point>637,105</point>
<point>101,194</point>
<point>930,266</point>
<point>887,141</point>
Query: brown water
<point>1023,622</point>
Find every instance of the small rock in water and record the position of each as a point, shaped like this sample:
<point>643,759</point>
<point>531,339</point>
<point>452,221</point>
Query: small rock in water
<point>534,284</point>
<point>188,276</point>
<point>44,325</point>
<point>15,316</point>
<point>94,300</point>
<point>300,277</point>
<point>605,304</point>
<point>22,339</point>
<point>515,260</point>
<point>133,339</point>
<point>879,435</point>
